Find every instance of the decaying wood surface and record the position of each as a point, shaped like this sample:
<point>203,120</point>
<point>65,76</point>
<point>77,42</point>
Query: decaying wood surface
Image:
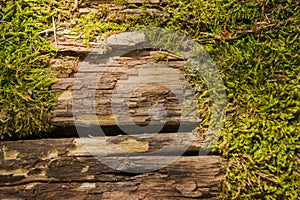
<point>63,169</point>
<point>115,62</point>
<point>125,71</point>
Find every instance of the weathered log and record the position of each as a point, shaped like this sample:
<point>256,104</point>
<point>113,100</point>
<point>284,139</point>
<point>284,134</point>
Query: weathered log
<point>63,169</point>
<point>128,71</point>
<point>90,76</point>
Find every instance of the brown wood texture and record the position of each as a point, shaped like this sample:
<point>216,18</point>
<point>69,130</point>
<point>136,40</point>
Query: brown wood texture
<point>69,69</point>
<point>63,169</point>
<point>122,71</point>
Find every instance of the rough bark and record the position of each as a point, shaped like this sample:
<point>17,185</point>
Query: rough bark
<point>63,169</point>
<point>116,62</point>
<point>137,68</point>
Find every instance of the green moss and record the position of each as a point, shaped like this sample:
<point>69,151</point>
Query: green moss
<point>255,44</point>
<point>25,98</point>
<point>91,26</point>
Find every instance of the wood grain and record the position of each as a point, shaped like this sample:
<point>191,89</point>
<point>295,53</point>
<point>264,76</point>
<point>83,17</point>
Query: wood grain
<point>62,169</point>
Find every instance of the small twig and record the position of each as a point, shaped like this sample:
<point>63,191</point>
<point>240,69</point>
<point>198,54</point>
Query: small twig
<point>285,33</point>
<point>267,18</point>
<point>206,33</point>
<point>50,30</point>
<point>170,54</point>
<point>76,5</point>
<point>241,33</point>
<point>208,40</point>
<point>54,31</point>
<point>1,21</point>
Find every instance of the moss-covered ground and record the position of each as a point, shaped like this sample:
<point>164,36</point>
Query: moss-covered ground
<point>25,78</point>
<point>255,44</point>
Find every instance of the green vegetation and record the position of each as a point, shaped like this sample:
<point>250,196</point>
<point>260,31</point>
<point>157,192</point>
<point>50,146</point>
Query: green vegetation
<point>25,78</point>
<point>255,44</point>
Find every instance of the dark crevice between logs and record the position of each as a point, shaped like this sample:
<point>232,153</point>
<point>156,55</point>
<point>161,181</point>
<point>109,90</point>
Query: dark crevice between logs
<point>71,131</point>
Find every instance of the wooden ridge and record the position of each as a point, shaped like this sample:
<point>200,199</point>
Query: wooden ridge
<point>64,169</point>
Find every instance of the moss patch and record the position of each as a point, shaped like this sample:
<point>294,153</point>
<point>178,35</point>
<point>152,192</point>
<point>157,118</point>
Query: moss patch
<point>25,98</point>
